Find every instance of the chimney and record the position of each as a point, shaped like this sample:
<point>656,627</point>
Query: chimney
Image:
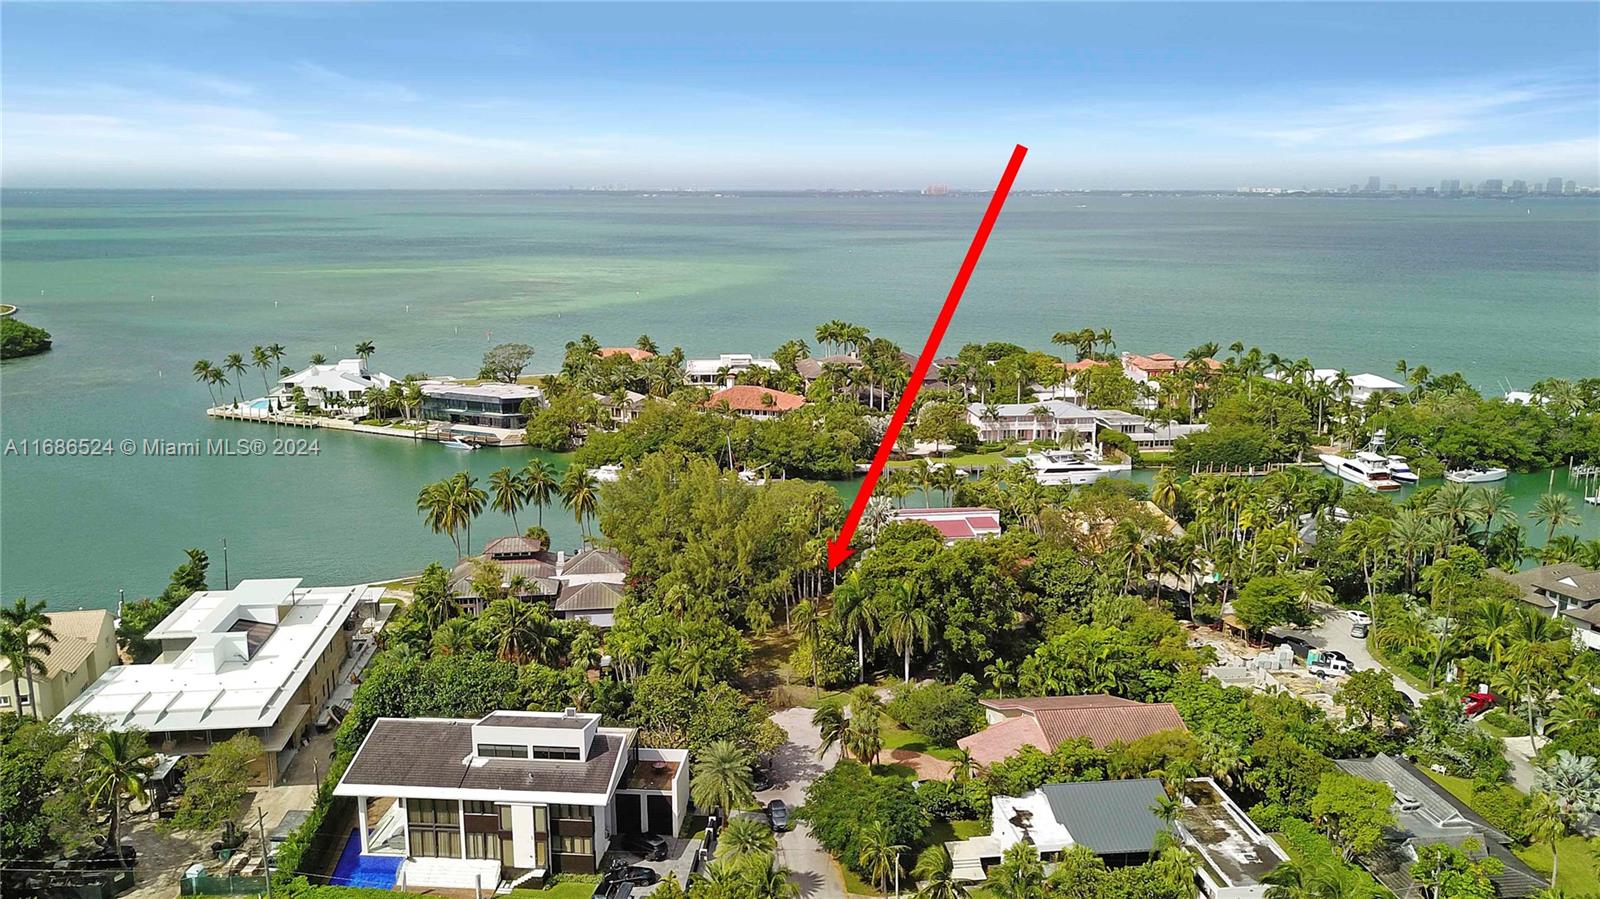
<point>569,712</point>
<point>561,559</point>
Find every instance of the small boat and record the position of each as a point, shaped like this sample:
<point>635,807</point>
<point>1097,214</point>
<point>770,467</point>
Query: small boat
<point>1054,468</point>
<point>607,474</point>
<point>1400,470</point>
<point>1477,474</point>
<point>456,444</point>
<point>1593,500</point>
<point>1364,469</point>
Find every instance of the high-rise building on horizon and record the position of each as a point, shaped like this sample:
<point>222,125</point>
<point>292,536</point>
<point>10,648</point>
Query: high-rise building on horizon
<point>1518,187</point>
<point>1571,187</point>
<point>1374,184</point>
<point>1450,186</point>
<point>1553,186</point>
<point>1491,186</point>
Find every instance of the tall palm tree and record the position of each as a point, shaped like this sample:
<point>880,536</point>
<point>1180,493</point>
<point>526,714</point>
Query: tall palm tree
<point>468,499</point>
<point>853,613</point>
<point>365,349</point>
<point>879,855</point>
<point>580,492</point>
<point>744,837</point>
<point>1547,823</point>
<point>1490,503</point>
<point>1554,510</point>
<point>806,623</point>
<point>721,777</point>
<point>439,512</point>
<point>275,352</point>
<point>25,639</point>
<point>764,880</point>
<point>202,373</point>
<point>115,767</point>
<point>830,722</point>
<point>260,358</point>
<point>905,623</point>
<point>506,494</point>
<point>234,363</point>
<point>863,733</point>
<point>538,485</point>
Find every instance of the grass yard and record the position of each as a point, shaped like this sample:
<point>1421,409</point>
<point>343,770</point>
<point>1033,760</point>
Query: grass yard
<point>568,890</point>
<point>897,737</point>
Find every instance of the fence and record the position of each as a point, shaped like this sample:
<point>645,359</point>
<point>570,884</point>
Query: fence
<point>232,885</point>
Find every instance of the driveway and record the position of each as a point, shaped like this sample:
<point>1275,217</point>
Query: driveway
<point>794,767</point>
<point>1333,632</point>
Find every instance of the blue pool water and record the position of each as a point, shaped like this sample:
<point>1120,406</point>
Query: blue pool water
<point>259,405</point>
<point>357,870</point>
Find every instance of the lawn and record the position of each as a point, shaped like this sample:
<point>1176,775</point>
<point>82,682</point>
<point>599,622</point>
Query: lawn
<point>963,460</point>
<point>897,737</point>
<point>567,890</point>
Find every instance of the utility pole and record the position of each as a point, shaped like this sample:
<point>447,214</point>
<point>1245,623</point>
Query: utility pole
<point>226,583</point>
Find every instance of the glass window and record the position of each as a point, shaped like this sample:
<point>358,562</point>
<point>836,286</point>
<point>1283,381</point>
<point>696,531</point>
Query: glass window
<point>575,845</point>
<point>502,751</point>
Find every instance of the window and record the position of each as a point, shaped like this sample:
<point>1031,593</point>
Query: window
<point>574,845</point>
<point>502,751</point>
<point>551,752</point>
<point>435,843</point>
<point>432,811</point>
<point>572,812</point>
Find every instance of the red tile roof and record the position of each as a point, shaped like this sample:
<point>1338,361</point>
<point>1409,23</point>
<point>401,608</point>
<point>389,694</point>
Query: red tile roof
<point>631,352</point>
<point>1047,722</point>
<point>1161,363</point>
<point>748,398</point>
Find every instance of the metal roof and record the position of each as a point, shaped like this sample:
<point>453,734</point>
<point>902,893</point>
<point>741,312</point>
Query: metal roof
<point>1109,816</point>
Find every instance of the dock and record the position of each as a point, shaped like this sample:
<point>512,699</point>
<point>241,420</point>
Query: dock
<point>434,431</point>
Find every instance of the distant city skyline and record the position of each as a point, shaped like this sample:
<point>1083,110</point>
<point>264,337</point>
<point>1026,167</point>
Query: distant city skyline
<point>786,96</point>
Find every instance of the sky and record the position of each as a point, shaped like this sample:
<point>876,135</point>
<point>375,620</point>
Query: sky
<point>795,96</point>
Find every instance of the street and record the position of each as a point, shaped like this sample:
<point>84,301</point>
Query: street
<point>794,767</point>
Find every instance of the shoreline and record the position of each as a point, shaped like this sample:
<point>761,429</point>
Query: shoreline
<point>425,434</point>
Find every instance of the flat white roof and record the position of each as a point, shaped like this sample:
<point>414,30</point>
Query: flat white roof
<point>1058,409</point>
<point>734,361</point>
<point>494,389</point>
<point>216,683</point>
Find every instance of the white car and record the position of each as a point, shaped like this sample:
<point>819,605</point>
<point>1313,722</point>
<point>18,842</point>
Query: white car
<point>1359,617</point>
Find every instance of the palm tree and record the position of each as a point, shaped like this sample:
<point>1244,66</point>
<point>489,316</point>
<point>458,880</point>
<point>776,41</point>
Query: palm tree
<point>365,349</point>
<point>933,871</point>
<point>863,733</point>
<point>538,485</point>
<point>468,499</point>
<point>764,880</point>
<point>721,778</point>
<point>25,638</point>
<point>905,622</point>
<point>202,372</point>
<point>963,767</point>
<point>318,359</point>
<point>806,623</point>
<point>1020,874</point>
<point>234,363</point>
<point>260,358</point>
<point>1547,822</point>
<point>580,492</point>
<point>879,856</point>
<point>854,616</point>
<point>1490,503</point>
<point>519,631</point>
<point>744,837</point>
<point>507,494</point>
<point>115,767</point>
<point>830,722</point>
<point>439,512</point>
<point>1554,510</point>
<point>275,353</point>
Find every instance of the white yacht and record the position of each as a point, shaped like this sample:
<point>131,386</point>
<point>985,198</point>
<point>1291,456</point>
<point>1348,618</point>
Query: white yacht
<point>1400,470</point>
<point>1364,469</point>
<point>1053,468</point>
<point>1477,474</point>
<point>606,474</point>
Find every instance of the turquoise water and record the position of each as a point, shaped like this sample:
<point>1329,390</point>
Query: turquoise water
<point>135,286</point>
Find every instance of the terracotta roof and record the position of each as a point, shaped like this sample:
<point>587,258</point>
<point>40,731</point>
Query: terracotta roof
<point>632,352</point>
<point>1082,364</point>
<point>1049,721</point>
<point>1158,363</point>
<point>749,398</point>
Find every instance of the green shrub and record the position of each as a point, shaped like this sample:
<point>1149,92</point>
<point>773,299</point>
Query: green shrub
<point>944,713</point>
<point>1511,724</point>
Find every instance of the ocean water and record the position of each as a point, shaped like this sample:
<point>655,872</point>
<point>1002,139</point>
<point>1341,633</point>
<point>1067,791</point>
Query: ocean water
<point>135,286</point>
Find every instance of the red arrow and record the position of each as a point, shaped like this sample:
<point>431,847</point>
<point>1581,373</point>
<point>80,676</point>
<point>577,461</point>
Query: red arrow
<point>839,548</point>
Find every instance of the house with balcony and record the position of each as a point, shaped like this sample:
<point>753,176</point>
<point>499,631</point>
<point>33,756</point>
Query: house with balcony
<point>495,405</point>
<point>1146,435</point>
<point>749,401</point>
<point>1025,422</point>
<point>333,385</point>
<point>509,799</point>
<point>723,370</point>
<point>263,658</point>
<point>85,648</point>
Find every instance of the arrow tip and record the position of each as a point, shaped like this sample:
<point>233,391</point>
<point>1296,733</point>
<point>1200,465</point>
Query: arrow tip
<point>838,551</point>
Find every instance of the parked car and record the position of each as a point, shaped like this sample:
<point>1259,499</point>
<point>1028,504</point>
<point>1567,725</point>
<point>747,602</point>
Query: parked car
<point>652,847</point>
<point>1359,630</point>
<point>763,778</point>
<point>1474,704</point>
<point>1333,654</point>
<point>613,890</point>
<point>778,814</point>
<point>1326,667</point>
<point>637,875</point>
<point>1359,617</point>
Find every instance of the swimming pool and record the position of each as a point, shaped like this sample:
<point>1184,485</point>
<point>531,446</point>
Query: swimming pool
<point>357,870</point>
<point>259,405</point>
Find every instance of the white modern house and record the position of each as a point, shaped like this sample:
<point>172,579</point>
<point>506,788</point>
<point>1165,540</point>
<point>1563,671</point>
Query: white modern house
<point>510,798</point>
<point>262,658</point>
<point>722,370</point>
<point>340,382</point>
<point>1042,420</point>
<point>1362,386</point>
<point>1145,434</point>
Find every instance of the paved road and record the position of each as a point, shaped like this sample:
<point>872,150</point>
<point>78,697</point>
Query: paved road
<point>795,766</point>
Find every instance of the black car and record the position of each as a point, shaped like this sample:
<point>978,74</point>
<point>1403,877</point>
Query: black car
<point>763,779</point>
<point>636,875</point>
<point>778,814</point>
<point>648,845</point>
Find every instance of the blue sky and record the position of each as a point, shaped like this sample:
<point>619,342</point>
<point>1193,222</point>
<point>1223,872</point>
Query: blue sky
<point>795,96</point>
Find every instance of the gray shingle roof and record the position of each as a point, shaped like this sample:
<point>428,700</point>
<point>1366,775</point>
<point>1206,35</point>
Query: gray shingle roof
<point>592,597</point>
<point>427,754</point>
<point>596,561</point>
<point>1108,816</point>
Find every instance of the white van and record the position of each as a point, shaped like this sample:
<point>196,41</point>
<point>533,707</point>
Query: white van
<point>1326,667</point>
